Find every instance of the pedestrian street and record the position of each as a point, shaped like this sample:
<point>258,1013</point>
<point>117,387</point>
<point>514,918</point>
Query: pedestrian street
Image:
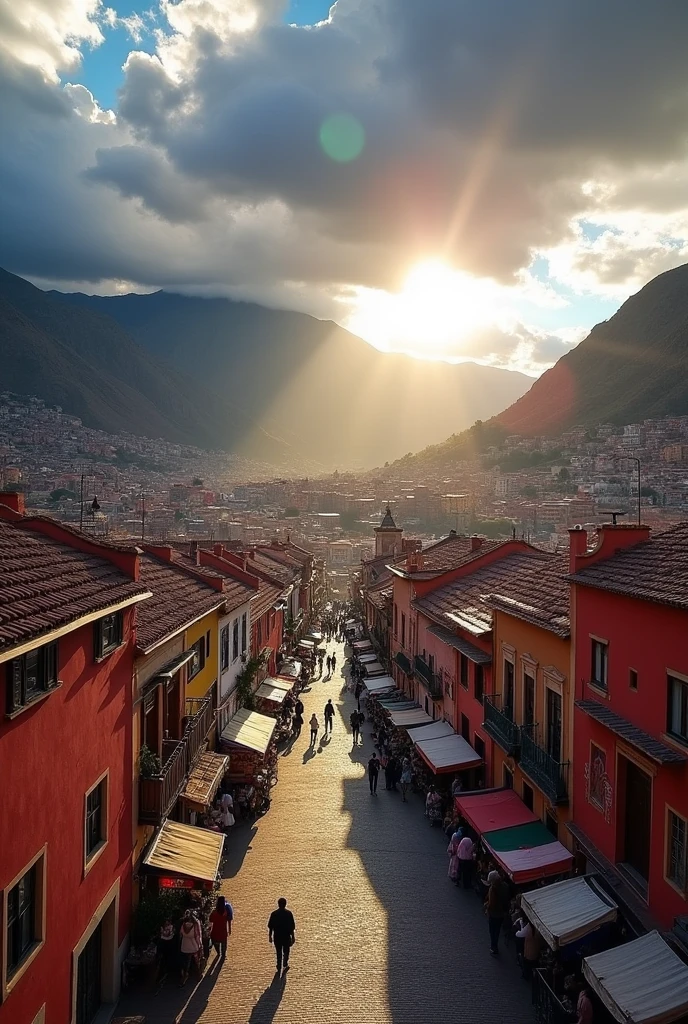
<point>382,935</point>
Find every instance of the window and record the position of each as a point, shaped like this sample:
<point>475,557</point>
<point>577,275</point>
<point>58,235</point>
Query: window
<point>243,633</point>
<point>235,640</point>
<point>463,670</point>
<point>598,776</point>
<point>465,728</point>
<point>108,633</point>
<point>95,819</point>
<point>198,661</point>
<point>678,707</point>
<point>479,746</point>
<point>633,679</point>
<point>403,629</point>
<point>528,699</point>
<point>598,669</point>
<point>479,682</point>
<point>23,911</point>
<point>224,648</point>
<point>508,697</point>
<point>395,622</point>
<point>553,724</point>
<point>30,676</point>
<point>677,850</point>
<point>528,796</point>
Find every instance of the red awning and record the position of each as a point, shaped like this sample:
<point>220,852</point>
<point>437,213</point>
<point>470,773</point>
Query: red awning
<point>489,811</point>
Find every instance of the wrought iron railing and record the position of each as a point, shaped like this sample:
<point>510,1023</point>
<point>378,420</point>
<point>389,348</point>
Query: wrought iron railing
<point>549,775</point>
<point>500,725</point>
<point>198,723</point>
<point>158,794</point>
<point>431,680</point>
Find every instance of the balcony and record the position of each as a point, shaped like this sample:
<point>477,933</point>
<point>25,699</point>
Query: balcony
<point>548,775</point>
<point>501,726</point>
<point>198,723</point>
<point>431,680</point>
<point>158,794</point>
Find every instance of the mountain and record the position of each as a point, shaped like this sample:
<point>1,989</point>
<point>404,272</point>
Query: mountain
<point>87,363</point>
<point>631,367</point>
<point>323,391</point>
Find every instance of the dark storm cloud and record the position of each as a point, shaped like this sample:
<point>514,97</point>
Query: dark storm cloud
<point>482,120</point>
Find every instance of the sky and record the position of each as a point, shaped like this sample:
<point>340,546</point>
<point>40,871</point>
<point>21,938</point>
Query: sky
<point>459,179</point>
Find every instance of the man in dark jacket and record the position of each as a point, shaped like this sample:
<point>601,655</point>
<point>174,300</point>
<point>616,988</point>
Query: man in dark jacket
<point>281,929</point>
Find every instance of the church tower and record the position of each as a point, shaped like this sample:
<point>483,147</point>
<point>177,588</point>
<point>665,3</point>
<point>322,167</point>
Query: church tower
<point>387,536</point>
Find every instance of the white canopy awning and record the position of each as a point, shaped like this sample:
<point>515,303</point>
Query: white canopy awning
<point>379,684</point>
<point>274,689</point>
<point>374,668</point>
<point>290,669</point>
<point>367,659</point>
<point>431,732</point>
<point>362,645</point>
<point>641,982</point>
<point>566,911</point>
<point>249,729</point>
<point>448,753</point>
<point>407,719</point>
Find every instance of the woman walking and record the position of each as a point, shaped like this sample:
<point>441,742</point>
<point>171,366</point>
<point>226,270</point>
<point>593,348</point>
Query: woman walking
<point>221,926</point>
<point>190,944</point>
<point>453,853</point>
<point>315,725</point>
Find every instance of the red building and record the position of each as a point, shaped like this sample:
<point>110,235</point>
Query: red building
<point>629,614</point>
<point>67,635</point>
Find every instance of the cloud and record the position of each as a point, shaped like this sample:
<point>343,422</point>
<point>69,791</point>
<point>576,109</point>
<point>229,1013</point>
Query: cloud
<point>493,131</point>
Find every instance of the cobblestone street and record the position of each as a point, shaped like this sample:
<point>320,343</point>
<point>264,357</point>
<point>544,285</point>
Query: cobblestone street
<point>382,936</point>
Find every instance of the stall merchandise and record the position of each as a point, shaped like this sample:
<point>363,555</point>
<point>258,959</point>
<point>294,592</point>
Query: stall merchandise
<point>566,911</point>
<point>641,982</point>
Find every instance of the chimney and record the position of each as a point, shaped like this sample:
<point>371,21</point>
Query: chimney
<point>476,543</point>
<point>14,500</point>
<point>193,551</point>
<point>578,545</point>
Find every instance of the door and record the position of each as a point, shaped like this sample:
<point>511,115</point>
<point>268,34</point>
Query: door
<point>554,724</point>
<point>88,979</point>
<point>528,699</point>
<point>637,817</point>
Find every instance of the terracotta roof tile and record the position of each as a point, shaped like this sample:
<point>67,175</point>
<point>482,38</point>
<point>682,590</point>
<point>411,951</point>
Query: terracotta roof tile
<point>45,584</point>
<point>268,595</point>
<point>466,602</point>
<point>178,598</point>
<point>656,570</point>
<point>637,737</point>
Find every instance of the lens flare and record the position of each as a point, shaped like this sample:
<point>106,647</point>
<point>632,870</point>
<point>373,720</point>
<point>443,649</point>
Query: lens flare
<point>342,138</point>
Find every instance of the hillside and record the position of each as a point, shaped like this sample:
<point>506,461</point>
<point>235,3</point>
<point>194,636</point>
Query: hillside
<point>631,367</point>
<point>324,391</point>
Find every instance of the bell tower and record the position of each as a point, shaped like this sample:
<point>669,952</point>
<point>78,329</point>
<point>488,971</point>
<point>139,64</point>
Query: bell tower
<point>387,536</point>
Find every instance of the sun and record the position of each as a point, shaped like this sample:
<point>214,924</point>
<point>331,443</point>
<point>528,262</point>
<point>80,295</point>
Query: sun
<point>434,310</point>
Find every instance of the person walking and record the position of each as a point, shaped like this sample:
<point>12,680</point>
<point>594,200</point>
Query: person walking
<point>355,727</point>
<point>329,665</point>
<point>497,907</point>
<point>221,926</point>
<point>298,707</point>
<point>282,932</point>
<point>334,662</point>
<point>297,724</point>
<point>321,659</point>
<point>190,945</point>
<point>358,690</point>
<point>329,717</point>
<point>315,725</point>
<point>373,772</point>
<point>465,854</point>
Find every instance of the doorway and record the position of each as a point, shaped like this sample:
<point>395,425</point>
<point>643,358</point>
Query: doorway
<point>637,808</point>
<point>89,978</point>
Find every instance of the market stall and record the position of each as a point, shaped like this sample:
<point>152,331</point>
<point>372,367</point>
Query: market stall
<point>183,857</point>
<point>567,911</point>
<point>379,684</point>
<point>448,753</point>
<point>374,668</point>
<point>247,737</point>
<point>272,692</point>
<point>366,659</point>
<point>431,732</point>
<point>409,717</point>
<point>641,982</point>
<point>515,839</point>
<point>204,781</point>
<point>289,669</point>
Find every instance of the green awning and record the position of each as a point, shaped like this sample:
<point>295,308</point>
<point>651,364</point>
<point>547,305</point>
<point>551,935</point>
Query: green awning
<point>519,837</point>
<point>403,663</point>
